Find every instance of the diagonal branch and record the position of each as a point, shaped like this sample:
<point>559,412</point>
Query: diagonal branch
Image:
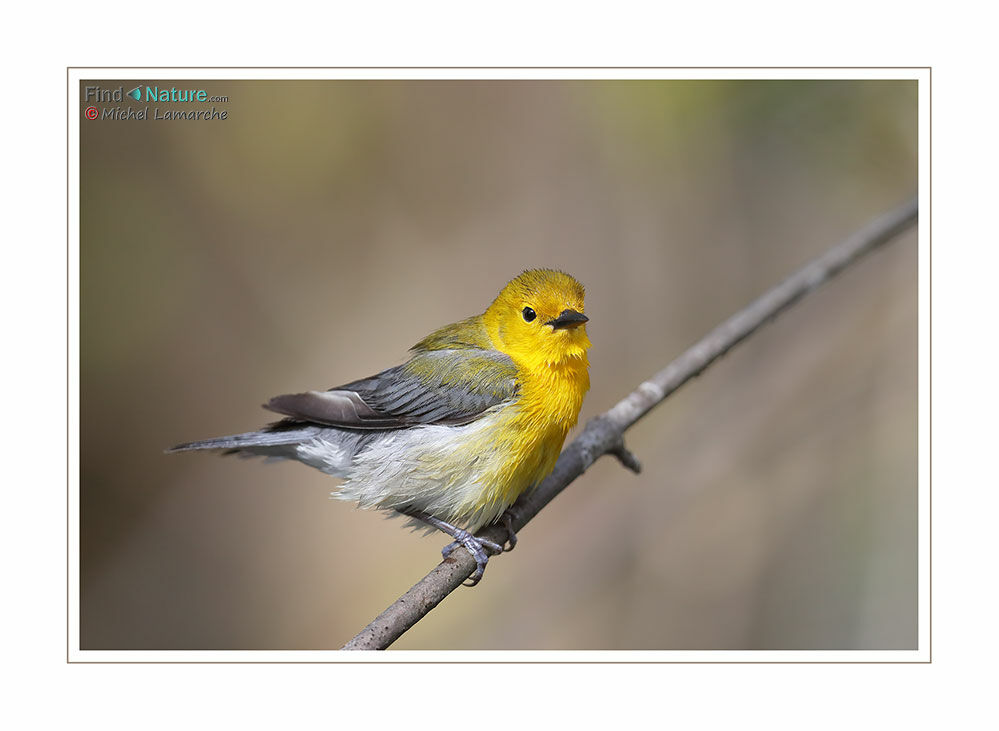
<point>604,434</point>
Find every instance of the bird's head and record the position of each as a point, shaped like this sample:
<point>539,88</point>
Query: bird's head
<point>538,319</point>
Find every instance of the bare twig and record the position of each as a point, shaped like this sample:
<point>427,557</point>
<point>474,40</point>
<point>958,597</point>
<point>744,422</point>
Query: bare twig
<point>604,434</point>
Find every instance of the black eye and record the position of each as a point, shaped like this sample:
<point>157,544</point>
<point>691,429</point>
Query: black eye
<point>529,314</point>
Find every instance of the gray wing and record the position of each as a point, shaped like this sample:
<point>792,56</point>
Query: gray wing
<point>434,387</point>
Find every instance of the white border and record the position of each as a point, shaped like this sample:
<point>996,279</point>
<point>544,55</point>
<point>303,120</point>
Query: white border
<point>923,389</point>
<point>74,117</point>
<point>306,73</point>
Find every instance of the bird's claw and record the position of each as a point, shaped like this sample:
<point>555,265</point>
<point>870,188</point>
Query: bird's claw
<point>482,548</point>
<point>479,548</point>
<point>511,535</point>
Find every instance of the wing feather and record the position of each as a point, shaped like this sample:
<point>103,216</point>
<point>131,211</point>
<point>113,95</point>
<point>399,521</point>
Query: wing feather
<point>448,386</point>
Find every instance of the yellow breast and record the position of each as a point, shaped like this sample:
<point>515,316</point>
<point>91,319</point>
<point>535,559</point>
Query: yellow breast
<point>532,438</point>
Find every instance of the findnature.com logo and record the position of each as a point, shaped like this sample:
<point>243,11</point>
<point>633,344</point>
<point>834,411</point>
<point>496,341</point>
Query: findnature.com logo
<point>146,93</point>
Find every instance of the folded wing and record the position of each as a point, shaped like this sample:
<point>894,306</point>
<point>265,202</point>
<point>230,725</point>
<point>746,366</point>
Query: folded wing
<point>435,387</point>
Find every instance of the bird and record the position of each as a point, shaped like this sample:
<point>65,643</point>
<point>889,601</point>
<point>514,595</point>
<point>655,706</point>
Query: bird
<point>453,436</point>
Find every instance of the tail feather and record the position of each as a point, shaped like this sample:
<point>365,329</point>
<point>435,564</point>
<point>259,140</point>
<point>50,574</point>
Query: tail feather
<point>326,448</point>
<point>264,438</point>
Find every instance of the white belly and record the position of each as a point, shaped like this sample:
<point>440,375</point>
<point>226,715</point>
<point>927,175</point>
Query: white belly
<point>450,472</point>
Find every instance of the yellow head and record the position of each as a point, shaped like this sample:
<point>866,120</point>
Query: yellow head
<point>538,320</point>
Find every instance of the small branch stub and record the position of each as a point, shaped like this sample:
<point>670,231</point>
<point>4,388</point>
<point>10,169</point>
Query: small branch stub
<point>625,457</point>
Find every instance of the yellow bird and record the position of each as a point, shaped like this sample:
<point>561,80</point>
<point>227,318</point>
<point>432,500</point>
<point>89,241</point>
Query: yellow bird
<point>452,437</point>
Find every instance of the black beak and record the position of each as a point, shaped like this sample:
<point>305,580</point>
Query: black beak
<point>568,318</point>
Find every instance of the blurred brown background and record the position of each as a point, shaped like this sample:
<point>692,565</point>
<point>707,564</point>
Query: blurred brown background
<point>324,227</point>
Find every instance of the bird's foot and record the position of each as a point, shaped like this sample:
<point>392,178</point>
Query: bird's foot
<point>480,548</point>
